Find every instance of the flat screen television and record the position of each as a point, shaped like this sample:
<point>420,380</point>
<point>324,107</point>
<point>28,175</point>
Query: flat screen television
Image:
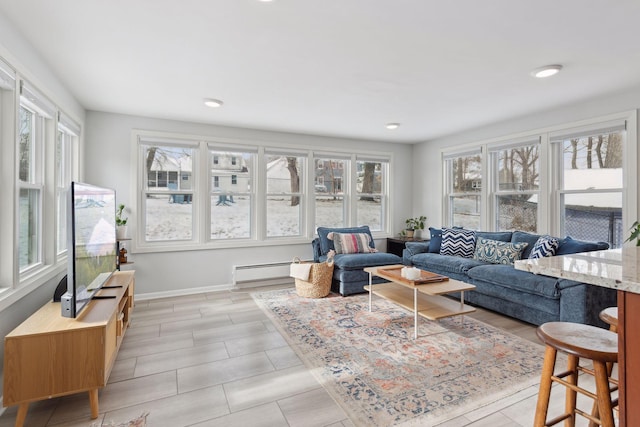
<point>91,227</point>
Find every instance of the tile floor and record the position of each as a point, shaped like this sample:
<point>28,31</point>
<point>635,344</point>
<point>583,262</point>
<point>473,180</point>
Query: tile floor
<point>216,360</point>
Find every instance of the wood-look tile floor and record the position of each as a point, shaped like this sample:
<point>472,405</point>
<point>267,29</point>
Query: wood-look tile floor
<point>215,359</point>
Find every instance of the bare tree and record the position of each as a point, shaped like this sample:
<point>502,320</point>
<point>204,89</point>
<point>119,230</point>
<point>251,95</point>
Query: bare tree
<point>292,166</point>
<point>368,181</point>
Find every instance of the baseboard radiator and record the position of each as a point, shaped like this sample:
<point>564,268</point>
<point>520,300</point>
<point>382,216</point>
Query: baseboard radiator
<point>253,275</point>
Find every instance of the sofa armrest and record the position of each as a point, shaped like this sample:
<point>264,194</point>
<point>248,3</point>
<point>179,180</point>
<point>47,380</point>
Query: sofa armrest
<point>413,248</point>
<point>315,245</point>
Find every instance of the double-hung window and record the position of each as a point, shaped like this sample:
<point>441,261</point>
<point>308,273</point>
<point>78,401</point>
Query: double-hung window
<point>515,182</point>
<point>285,207</point>
<point>463,188</point>
<point>371,192</point>
<point>169,189</point>
<point>329,183</point>
<point>232,195</point>
<point>66,145</point>
<point>7,173</point>
<point>35,120</point>
<point>589,181</point>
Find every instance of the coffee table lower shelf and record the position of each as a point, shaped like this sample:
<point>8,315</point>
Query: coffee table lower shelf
<point>432,307</point>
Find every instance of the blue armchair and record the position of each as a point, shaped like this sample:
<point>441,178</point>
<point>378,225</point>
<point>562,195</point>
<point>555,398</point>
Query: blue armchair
<point>348,275</point>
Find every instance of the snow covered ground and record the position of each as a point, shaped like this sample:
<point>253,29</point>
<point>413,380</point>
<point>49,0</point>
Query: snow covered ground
<point>173,221</point>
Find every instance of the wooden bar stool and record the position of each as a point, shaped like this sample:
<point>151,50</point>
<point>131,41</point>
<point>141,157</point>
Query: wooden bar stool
<point>610,317</point>
<point>577,341</point>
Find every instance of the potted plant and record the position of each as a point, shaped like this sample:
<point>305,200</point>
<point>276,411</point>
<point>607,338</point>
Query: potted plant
<point>121,222</point>
<point>414,224</point>
<point>635,233</point>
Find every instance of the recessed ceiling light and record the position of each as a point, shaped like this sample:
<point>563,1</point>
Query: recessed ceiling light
<point>546,71</point>
<point>213,103</point>
<point>392,126</point>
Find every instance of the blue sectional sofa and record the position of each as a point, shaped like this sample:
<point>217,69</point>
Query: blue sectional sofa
<point>348,275</point>
<point>532,298</point>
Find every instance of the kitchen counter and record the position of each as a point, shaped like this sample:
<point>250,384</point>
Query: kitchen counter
<point>617,269</point>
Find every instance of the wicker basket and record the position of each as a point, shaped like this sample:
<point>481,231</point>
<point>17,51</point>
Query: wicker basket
<point>319,283</point>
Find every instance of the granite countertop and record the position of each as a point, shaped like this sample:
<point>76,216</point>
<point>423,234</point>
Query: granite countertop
<point>612,268</point>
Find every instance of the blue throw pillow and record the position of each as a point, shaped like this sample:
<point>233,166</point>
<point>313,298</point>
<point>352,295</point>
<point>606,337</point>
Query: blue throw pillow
<point>498,251</point>
<point>435,240</point>
<point>458,242</point>
<point>545,246</point>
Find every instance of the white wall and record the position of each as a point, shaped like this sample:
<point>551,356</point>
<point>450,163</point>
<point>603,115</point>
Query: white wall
<point>427,164</point>
<point>109,163</point>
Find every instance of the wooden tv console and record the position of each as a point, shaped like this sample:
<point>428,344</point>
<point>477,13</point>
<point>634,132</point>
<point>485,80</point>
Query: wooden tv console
<point>49,355</point>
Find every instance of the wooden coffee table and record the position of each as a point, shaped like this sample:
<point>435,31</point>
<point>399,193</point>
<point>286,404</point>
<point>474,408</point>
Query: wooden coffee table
<point>423,297</point>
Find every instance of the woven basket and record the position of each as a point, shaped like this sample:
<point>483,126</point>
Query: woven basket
<point>319,283</point>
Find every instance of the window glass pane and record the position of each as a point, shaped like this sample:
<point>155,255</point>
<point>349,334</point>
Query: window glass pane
<point>370,187</point>
<point>466,174</point>
<point>28,227</point>
<point>284,195</point>
<point>166,220</point>
<point>27,121</point>
<point>231,194</point>
<point>518,168</point>
<point>593,162</point>
<point>517,212</point>
<point>466,211</point>
<point>168,209</point>
<point>329,192</point>
<point>594,217</point>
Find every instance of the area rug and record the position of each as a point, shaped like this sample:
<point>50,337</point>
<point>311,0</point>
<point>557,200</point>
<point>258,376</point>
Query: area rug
<point>374,369</point>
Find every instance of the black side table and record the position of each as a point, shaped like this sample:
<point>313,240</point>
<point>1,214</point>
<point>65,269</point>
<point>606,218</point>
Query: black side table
<point>395,245</point>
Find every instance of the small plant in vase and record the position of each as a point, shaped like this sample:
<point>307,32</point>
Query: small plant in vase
<point>635,233</point>
<point>121,222</point>
<point>413,224</point>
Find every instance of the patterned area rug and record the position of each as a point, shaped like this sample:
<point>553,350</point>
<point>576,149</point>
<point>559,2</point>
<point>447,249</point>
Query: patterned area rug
<point>373,368</point>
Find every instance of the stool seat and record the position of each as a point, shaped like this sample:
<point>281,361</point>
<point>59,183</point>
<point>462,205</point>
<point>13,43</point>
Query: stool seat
<point>610,317</point>
<point>584,341</point>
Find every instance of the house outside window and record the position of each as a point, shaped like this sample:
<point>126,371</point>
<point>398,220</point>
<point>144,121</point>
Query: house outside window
<point>285,198</point>
<point>330,200</point>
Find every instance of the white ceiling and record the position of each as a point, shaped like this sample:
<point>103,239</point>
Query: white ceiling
<point>334,67</point>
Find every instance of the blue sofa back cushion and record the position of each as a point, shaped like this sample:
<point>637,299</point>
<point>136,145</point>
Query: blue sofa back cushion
<point>501,236</point>
<point>523,236</point>
<point>435,240</point>
<point>326,245</point>
<point>568,245</point>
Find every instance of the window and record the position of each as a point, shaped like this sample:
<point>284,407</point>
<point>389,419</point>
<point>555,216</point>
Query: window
<point>590,183</point>
<point>232,196</point>
<point>7,174</point>
<point>34,118</point>
<point>330,201</point>
<point>168,202</point>
<point>285,195</point>
<point>515,180</point>
<point>371,193</point>
<point>68,133</point>
<point>463,186</point>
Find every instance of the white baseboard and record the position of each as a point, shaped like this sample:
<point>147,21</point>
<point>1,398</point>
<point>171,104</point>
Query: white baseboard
<point>183,292</point>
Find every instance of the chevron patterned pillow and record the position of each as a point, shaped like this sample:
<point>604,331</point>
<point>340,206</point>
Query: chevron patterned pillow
<point>458,242</point>
<point>545,246</point>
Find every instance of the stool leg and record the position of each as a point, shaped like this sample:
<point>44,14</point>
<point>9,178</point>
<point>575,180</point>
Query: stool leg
<point>544,393</point>
<point>604,394</point>
<point>571,395</point>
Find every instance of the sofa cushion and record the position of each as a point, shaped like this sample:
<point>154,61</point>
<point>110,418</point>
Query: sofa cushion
<point>509,277</point>
<point>326,245</point>
<point>503,236</point>
<point>523,236</point>
<point>569,245</point>
<point>444,264</point>
<point>360,261</point>
<point>458,242</point>
<point>498,252</point>
<point>545,246</point>
<point>351,243</point>
<point>416,247</point>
